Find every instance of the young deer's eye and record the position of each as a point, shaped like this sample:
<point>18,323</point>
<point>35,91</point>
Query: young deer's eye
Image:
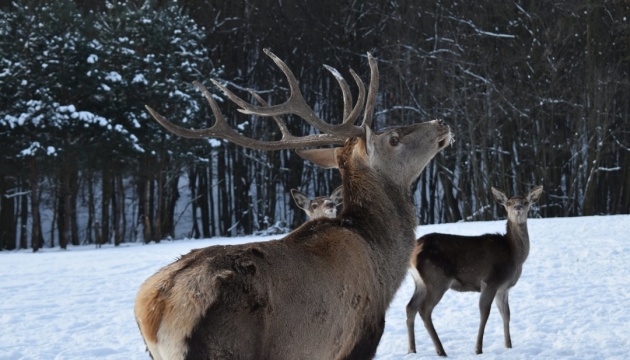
<point>394,141</point>
<point>313,206</point>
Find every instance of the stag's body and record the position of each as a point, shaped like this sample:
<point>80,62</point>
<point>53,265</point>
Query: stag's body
<point>255,305</point>
<point>322,291</point>
<point>490,264</point>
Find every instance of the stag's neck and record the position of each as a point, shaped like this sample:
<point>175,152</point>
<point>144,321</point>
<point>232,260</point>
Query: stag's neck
<point>519,237</point>
<point>383,208</point>
<point>384,215</point>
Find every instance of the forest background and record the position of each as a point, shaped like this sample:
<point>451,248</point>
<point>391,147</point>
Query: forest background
<point>536,92</point>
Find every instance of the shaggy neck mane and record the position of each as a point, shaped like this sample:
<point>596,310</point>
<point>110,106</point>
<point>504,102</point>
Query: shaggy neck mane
<point>383,214</point>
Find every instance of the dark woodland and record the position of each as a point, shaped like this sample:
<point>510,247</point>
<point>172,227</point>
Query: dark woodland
<point>536,93</point>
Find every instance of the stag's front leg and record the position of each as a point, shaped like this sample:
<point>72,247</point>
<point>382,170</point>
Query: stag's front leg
<point>504,309</point>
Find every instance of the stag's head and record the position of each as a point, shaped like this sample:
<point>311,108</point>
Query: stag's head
<point>396,154</point>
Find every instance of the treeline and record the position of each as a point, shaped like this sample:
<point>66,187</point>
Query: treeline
<point>536,93</point>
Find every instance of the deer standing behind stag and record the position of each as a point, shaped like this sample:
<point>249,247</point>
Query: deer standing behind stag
<point>320,206</point>
<point>322,291</point>
<point>490,264</point>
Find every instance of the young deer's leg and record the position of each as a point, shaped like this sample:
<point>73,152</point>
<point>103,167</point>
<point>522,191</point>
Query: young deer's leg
<point>485,303</point>
<point>413,308</point>
<point>501,300</point>
<point>432,297</point>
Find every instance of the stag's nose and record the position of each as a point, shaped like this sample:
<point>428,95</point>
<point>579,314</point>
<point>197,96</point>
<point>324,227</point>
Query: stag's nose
<point>442,122</point>
<point>329,204</point>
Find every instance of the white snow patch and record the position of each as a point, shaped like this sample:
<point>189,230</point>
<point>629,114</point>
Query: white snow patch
<point>571,302</point>
<point>92,59</point>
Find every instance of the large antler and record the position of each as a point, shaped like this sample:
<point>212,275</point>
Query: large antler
<point>296,105</point>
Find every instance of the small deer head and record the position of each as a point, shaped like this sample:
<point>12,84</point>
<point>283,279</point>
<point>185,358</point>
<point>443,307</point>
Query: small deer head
<point>321,206</point>
<point>517,207</point>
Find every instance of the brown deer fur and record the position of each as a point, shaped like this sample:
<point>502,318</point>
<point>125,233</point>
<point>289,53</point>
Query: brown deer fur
<point>322,291</point>
<point>490,264</point>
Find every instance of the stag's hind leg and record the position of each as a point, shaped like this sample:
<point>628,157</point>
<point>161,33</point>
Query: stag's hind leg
<point>501,300</point>
<point>413,307</point>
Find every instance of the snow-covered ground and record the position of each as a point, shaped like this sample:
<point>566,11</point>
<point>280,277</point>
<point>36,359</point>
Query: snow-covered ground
<point>572,301</point>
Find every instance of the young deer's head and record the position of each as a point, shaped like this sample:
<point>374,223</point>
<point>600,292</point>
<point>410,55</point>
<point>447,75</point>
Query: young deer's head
<point>321,206</point>
<point>517,206</point>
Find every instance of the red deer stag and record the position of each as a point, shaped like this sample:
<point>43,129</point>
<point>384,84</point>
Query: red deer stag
<point>322,291</point>
<point>490,264</point>
<point>321,206</point>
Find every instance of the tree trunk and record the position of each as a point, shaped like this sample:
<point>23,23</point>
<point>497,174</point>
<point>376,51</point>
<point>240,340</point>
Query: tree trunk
<point>23,218</point>
<point>121,208</point>
<point>36,222</point>
<point>115,208</point>
<point>89,228</point>
<point>72,205</point>
<point>203,203</point>
<point>194,205</point>
<point>224,197</point>
<point>106,185</point>
<point>7,215</point>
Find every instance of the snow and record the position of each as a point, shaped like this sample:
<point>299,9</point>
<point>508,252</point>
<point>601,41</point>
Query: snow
<point>139,78</point>
<point>113,76</point>
<point>571,302</point>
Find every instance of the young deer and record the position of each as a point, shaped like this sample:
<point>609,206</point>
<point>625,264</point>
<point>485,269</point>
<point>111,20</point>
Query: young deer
<point>490,264</point>
<point>321,206</point>
<point>322,291</point>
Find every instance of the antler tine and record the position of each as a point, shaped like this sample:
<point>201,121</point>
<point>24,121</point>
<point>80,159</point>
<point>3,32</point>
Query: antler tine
<point>371,100</point>
<point>283,127</point>
<point>222,130</point>
<point>345,89</point>
<point>349,116</point>
<point>360,100</point>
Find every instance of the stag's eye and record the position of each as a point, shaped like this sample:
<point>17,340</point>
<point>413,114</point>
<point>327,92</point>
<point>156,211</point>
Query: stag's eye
<point>394,141</point>
<point>314,206</point>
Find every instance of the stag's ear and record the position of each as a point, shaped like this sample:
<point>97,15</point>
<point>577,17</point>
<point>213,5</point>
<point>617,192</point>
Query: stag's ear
<point>337,196</point>
<point>325,158</point>
<point>369,140</point>
<point>499,196</point>
<point>534,194</point>
<point>301,199</point>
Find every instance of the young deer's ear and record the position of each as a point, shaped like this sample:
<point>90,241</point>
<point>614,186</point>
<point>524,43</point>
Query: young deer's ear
<point>301,199</point>
<point>499,196</point>
<point>325,158</point>
<point>534,194</point>
<point>337,196</point>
